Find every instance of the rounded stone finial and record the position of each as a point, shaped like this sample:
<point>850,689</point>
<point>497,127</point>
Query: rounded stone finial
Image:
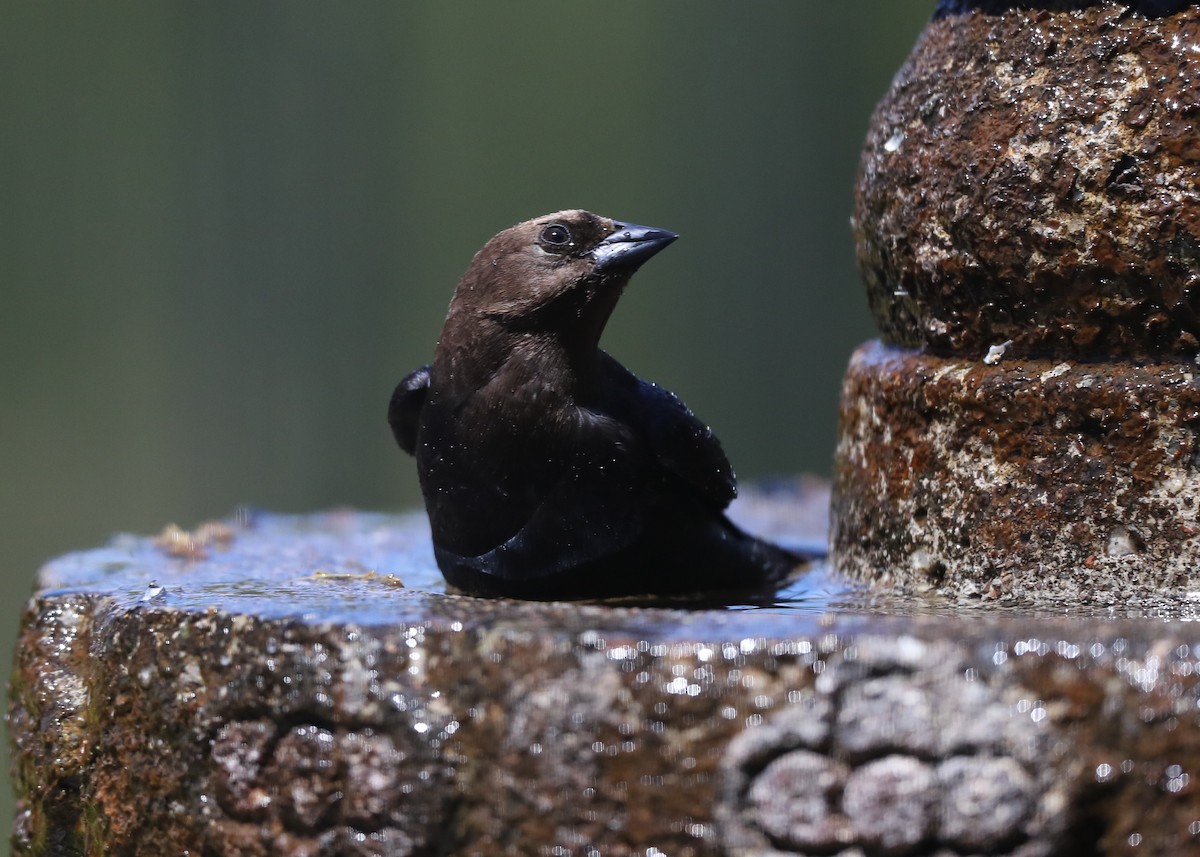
<point>1033,178</point>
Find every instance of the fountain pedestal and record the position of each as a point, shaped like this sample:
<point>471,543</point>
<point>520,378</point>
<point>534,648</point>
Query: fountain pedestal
<point>1035,481</point>
<point>1028,229</point>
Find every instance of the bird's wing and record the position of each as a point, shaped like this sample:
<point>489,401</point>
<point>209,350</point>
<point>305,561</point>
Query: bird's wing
<point>569,529</point>
<point>404,410</point>
<point>682,445</point>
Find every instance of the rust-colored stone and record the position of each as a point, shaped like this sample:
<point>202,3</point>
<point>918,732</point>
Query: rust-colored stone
<point>1034,175</point>
<point>1034,478</point>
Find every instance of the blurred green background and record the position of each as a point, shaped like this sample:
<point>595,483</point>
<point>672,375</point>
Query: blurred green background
<point>228,229</point>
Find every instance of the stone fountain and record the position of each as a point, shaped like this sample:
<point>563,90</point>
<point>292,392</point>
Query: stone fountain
<point>997,660</point>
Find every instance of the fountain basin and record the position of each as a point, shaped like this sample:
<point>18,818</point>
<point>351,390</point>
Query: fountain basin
<point>298,685</point>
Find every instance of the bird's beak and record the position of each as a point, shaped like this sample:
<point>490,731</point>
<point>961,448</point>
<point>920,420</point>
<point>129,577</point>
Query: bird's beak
<point>627,248</point>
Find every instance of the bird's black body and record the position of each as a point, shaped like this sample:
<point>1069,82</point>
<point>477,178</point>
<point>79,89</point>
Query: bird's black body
<point>549,470</point>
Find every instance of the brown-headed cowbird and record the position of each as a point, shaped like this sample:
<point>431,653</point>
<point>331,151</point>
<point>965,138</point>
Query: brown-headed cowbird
<point>549,470</point>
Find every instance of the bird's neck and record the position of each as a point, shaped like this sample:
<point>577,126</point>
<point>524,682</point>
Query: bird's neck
<point>489,355</point>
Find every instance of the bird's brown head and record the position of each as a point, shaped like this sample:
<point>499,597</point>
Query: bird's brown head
<point>561,273</point>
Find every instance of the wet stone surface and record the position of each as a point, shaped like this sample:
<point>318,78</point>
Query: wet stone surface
<point>277,690</point>
<point>1033,178</point>
<point>908,748</point>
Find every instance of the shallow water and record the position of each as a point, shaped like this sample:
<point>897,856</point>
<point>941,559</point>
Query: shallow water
<point>372,568</point>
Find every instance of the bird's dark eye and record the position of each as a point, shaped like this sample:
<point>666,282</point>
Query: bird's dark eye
<point>556,237</point>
